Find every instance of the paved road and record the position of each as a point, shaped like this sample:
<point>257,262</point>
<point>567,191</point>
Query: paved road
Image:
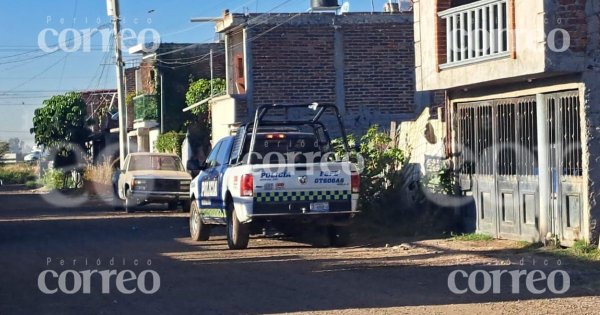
<point>273,276</point>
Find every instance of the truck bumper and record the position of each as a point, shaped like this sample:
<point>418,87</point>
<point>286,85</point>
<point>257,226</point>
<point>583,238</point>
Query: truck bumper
<point>339,211</point>
<point>160,196</point>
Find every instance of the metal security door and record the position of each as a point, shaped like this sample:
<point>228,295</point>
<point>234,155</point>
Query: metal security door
<point>527,169</point>
<point>497,160</point>
<point>564,128</point>
<point>506,167</point>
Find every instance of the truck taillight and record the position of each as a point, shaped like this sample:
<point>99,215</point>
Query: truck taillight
<point>355,182</point>
<point>247,185</point>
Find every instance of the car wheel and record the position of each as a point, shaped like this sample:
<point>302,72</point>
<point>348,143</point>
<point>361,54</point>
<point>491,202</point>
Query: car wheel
<point>238,234</point>
<point>116,201</point>
<point>186,206</point>
<point>130,203</point>
<point>339,236</point>
<point>198,230</point>
<point>173,205</point>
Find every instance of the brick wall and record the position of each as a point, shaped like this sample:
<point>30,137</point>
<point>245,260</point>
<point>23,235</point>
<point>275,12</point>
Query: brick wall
<point>293,65</point>
<point>441,41</point>
<point>571,16</point>
<point>379,68</point>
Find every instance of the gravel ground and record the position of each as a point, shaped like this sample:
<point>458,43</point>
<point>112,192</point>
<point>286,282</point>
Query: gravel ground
<point>373,276</point>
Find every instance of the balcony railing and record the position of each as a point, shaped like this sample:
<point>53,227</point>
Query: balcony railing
<point>476,32</point>
<point>145,107</point>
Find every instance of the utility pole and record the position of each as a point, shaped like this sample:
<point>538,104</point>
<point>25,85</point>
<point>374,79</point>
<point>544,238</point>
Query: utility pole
<point>112,7</point>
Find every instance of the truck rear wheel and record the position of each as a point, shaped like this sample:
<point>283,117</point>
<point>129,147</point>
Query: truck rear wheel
<point>339,236</point>
<point>198,230</point>
<point>238,234</point>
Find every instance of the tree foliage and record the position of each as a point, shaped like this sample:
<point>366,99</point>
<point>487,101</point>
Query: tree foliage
<point>170,142</point>
<point>3,148</point>
<point>200,90</point>
<point>60,124</point>
<point>200,127</point>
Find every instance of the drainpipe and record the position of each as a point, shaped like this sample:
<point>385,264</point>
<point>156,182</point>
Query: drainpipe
<point>162,101</point>
<point>249,81</point>
<point>544,176</point>
<point>340,94</point>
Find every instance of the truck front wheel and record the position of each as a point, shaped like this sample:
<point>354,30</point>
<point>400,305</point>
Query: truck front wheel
<point>198,230</point>
<point>238,234</point>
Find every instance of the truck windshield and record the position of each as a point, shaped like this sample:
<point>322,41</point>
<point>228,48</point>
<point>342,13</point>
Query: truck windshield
<point>154,162</point>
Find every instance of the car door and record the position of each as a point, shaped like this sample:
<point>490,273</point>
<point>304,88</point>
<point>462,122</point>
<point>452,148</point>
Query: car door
<point>206,183</point>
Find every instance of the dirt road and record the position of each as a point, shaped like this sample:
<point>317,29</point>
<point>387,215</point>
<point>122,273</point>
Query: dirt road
<point>272,276</point>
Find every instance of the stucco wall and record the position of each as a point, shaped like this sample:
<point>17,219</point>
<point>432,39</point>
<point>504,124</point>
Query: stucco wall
<point>529,49</point>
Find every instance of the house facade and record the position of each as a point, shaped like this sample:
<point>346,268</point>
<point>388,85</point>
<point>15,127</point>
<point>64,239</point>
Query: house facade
<point>522,87</point>
<point>361,62</point>
<point>157,87</point>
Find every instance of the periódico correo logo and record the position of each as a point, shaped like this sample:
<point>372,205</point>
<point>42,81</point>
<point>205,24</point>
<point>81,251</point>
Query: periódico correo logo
<point>483,281</point>
<point>72,281</point>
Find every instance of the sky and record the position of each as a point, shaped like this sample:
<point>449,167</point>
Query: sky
<point>32,68</point>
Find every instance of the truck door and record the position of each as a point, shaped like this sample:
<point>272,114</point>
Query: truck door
<point>207,187</point>
<point>221,166</point>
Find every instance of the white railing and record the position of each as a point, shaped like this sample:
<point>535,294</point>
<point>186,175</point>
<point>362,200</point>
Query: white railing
<point>476,32</point>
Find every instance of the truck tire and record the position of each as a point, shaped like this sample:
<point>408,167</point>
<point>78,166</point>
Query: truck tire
<point>198,230</point>
<point>339,236</point>
<point>238,234</point>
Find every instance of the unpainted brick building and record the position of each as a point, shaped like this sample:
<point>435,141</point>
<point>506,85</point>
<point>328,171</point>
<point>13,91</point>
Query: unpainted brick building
<point>361,62</point>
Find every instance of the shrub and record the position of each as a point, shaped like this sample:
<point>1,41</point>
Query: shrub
<point>56,179</point>
<point>53,179</point>
<point>380,165</point>
<point>33,184</point>
<point>390,196</point>
<point>170,142</point>
<point>17,173</point>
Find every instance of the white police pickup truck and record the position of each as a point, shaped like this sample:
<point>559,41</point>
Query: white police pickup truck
<point>279,172</point>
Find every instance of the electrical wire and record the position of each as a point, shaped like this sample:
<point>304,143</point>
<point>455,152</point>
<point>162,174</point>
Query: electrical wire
<point>216,19</point>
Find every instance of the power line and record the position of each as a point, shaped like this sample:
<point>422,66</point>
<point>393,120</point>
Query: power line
<point>241,43</point>
<point>55,50</point>
<point>216,19</point>
<point>62,72</point>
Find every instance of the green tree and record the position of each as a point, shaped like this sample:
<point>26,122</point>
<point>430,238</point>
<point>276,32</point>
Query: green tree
<point>60,124</point>
<point>200,127</point>
<point>200,90</point>
<point>3,148</point>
